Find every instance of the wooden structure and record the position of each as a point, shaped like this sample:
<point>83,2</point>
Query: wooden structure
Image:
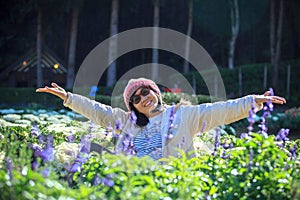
<point>23,73</point>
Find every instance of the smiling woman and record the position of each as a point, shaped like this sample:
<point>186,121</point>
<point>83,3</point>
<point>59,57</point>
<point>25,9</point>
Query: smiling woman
<point>152,128</point>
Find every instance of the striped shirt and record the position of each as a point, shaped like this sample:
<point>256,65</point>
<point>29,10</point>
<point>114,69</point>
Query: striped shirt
<point>148,142</point>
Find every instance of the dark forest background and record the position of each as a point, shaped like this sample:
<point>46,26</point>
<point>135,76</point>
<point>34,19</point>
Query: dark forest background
<point>211,29</point>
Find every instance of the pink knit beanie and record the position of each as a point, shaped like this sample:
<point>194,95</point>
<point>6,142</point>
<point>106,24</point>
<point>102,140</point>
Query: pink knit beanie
<point>134,84</point>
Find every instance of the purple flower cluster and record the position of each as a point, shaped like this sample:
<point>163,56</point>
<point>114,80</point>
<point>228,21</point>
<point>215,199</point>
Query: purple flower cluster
<point>71,137</point>
<point>251,118</point>
<point>293,151</point>
<point>9,167</point>
<point>217,142</point>
<point>128,144</point>
<point>282,137</point>
<point>46,153</point>
<point>133,117</point>
<point>82,156</point>
<point>268,108</point>
<point>171,125</point>
<point>34,131</point>
<point>107,180</point>
<point>227,145</point>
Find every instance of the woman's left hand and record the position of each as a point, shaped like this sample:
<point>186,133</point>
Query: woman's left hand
<point>260,99</point>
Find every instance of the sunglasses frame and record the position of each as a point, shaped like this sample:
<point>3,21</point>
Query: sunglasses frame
<point>142,93</point>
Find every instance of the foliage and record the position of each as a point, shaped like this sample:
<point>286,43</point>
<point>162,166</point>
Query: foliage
<point>255,168</point>
<point>253,80</point>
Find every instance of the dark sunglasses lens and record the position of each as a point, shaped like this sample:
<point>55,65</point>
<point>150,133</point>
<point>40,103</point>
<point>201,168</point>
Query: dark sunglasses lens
<point>136,99</point>
<point>145,91</point>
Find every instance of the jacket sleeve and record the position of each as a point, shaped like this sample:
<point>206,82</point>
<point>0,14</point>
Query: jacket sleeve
<point>204,117</point>
<point>99,113</point>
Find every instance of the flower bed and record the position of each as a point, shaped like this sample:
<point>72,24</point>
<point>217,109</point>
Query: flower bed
<point>49,157</point>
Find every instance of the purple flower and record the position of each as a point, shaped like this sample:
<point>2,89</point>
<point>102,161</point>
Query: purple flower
<point>97,180</point>
<point>119,124</point>
<point>47,154</point>
<point>128,144</point>
<point>217,142</point>
<point>81,159</point>
<point>282,136</point>
<point>171,125</point>
<point>85,145</point>
<point>41,139</point>
<point>108,181</point>
<point>36,150</point>
<point>227,145</point>
<point>133,117</point>
<point>46,172</point>
<point>90,130</point>
<point>268,108</point>
<point>34,131</point>
<point>251,118</point>
<point>9,167</point>
<point>224,155</point>
<point>71,137</point>
<point>34,165</point>
<point>50,140</point>
<point>75,167</point>
<point>293,151</point>
<point>244,136</point>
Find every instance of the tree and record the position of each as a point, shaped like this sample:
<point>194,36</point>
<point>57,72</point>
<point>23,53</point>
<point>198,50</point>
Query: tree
<point>188,33</point>
<point>235,24</point>
<point>155,55</point>
<point>39,71</point>
<point>72,44</point>
<point>113,43</point>
<point>275,40</point>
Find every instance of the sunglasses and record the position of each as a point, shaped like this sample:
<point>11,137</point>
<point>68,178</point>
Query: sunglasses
<point>137,98</point>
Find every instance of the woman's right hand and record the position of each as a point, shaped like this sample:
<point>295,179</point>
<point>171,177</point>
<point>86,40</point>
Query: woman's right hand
<point>55,90</point>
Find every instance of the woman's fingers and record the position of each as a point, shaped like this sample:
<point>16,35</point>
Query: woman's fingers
<point>260,99</point>
<point>275,99</point>
<point>55,90</point>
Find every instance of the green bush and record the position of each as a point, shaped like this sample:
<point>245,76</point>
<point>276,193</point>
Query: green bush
<point>255,168</point>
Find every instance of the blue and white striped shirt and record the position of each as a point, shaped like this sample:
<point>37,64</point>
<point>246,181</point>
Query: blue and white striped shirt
<point>148,142</point>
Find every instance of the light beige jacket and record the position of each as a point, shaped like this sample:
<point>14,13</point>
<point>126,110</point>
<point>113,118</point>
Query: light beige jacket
<point>188,121</point>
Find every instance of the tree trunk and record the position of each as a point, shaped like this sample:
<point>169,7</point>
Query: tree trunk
<point>235,24</point>
<point>277,47</point>
<point>113,44</point>
<point>39,48</point>
<point>188,40</point>
<point>272,32</point>
<point>72,47</point>
<point>155,56</point>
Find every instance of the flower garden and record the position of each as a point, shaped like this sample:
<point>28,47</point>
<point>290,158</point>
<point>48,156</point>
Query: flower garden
<point>47,155</point>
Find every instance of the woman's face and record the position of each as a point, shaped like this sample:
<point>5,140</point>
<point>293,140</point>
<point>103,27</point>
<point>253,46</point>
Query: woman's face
<point>145,100</point>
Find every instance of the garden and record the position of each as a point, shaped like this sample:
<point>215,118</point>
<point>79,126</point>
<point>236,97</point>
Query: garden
<point>48,154</point>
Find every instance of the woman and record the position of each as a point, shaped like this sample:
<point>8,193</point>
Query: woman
<point>157,130</point>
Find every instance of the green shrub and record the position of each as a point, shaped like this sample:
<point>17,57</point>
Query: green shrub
<point>255,168</point>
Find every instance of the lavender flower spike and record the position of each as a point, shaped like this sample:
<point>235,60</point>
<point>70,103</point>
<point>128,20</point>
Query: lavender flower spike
<point>9,167</point>
<point>217,142</point>
<point>171,125</point>
<point>34,131</point>
<point>293,151</point>
<point>251,118</point>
